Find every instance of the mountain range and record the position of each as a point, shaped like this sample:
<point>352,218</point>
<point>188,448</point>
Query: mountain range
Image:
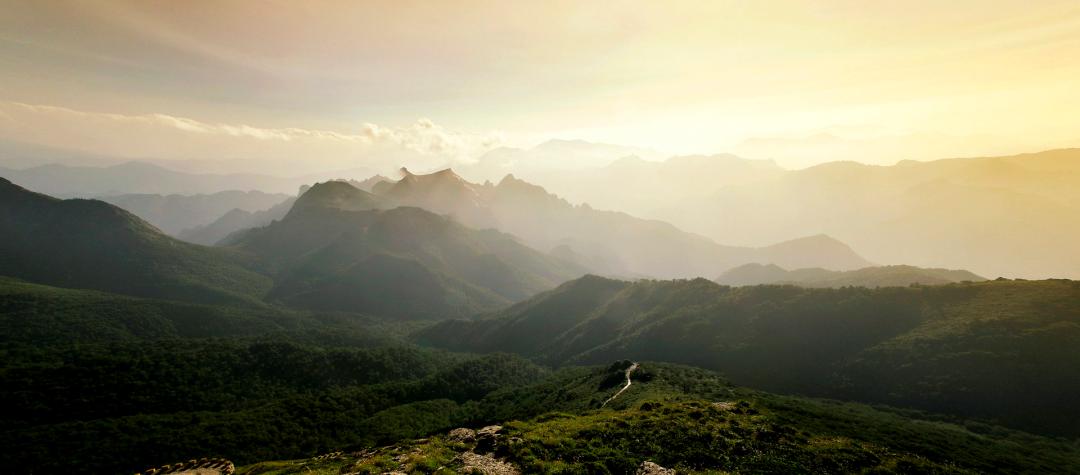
<point>336,249</point>
<point>340,248</point>
<point>968,213</point>
<point>233,221</point>
<point>881,276</point>
<point>1009,216</point>
<point>580,233</point>
<point>176,213</point>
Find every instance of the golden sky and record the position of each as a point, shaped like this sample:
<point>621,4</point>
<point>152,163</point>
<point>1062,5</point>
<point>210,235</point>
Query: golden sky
<point>799,81</point>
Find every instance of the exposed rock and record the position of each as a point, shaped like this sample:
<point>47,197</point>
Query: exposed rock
<point>486,464</point>
<point>204,466</point>
<point>489,430</point>
<point>486,438</point>
<point>462,434</point>
<point>650,468</point>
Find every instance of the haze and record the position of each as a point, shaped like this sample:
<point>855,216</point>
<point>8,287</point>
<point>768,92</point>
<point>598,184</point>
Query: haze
<point>735,121</point>
<point>797,82</point>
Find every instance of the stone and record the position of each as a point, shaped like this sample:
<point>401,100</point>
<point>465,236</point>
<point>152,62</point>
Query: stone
<point>650,468</point>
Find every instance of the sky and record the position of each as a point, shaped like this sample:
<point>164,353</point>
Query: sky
<point>346,83</point>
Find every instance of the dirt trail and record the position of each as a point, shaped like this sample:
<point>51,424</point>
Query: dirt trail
<point>624,388</point>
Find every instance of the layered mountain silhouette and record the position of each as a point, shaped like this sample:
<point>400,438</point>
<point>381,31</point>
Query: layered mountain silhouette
<point>94,245</point>
<point>175,213</point>
<point>965,213</point>
<point>238,219</point>
<point>607,242</point>
<point>1013,216</point>
<point>339,248</point>
<point>233,221</point>
<point>881,276</point>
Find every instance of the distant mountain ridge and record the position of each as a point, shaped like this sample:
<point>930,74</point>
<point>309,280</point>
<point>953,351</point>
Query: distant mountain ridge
<point>883,276</point>
<point>175,213</point>
<point>340,248</point>
<point>237,219</point>
<point>607,242</point>
<point>234,221</point>
<point>1012,216</point>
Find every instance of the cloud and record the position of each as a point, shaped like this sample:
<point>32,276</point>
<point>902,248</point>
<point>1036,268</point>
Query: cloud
<point>423,144</point>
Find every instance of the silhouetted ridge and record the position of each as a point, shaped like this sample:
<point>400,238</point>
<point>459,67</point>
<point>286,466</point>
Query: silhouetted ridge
<point>606,242</point>
<point>402,262</point>
<point>335,194</point>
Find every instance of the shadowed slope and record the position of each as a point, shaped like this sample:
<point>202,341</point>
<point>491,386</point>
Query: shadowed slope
<point>94,245</point>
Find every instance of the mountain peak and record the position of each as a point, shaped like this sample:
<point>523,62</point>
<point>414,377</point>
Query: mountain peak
<point>807,251</point>
<point>336,194</point>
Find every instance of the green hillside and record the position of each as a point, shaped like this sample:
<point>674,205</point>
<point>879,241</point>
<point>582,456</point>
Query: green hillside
<point>93,245</point>
<point>37,319</point>
<point>329,253</point>
<point>1002,350</point>
<point>693,421</point>
<point>144,405</point>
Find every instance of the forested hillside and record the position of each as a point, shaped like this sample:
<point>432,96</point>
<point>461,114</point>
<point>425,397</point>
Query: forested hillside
<point>95,245</point>
<point>692,421</point>
<point>1002,350</point>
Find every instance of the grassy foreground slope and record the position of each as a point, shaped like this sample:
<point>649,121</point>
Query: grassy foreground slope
<point>1003,350</point>
<point>693,421</point>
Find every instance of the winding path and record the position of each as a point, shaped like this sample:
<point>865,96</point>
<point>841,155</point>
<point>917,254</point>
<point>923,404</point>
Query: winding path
<point>624,388</point>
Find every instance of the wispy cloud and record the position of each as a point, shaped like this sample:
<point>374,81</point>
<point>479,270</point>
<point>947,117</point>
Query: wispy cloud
<point>162,136</point>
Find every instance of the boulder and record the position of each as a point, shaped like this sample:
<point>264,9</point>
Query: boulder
<point>650,468</point>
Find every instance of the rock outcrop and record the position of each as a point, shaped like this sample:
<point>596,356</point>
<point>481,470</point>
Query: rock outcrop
<point>650,468</point>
